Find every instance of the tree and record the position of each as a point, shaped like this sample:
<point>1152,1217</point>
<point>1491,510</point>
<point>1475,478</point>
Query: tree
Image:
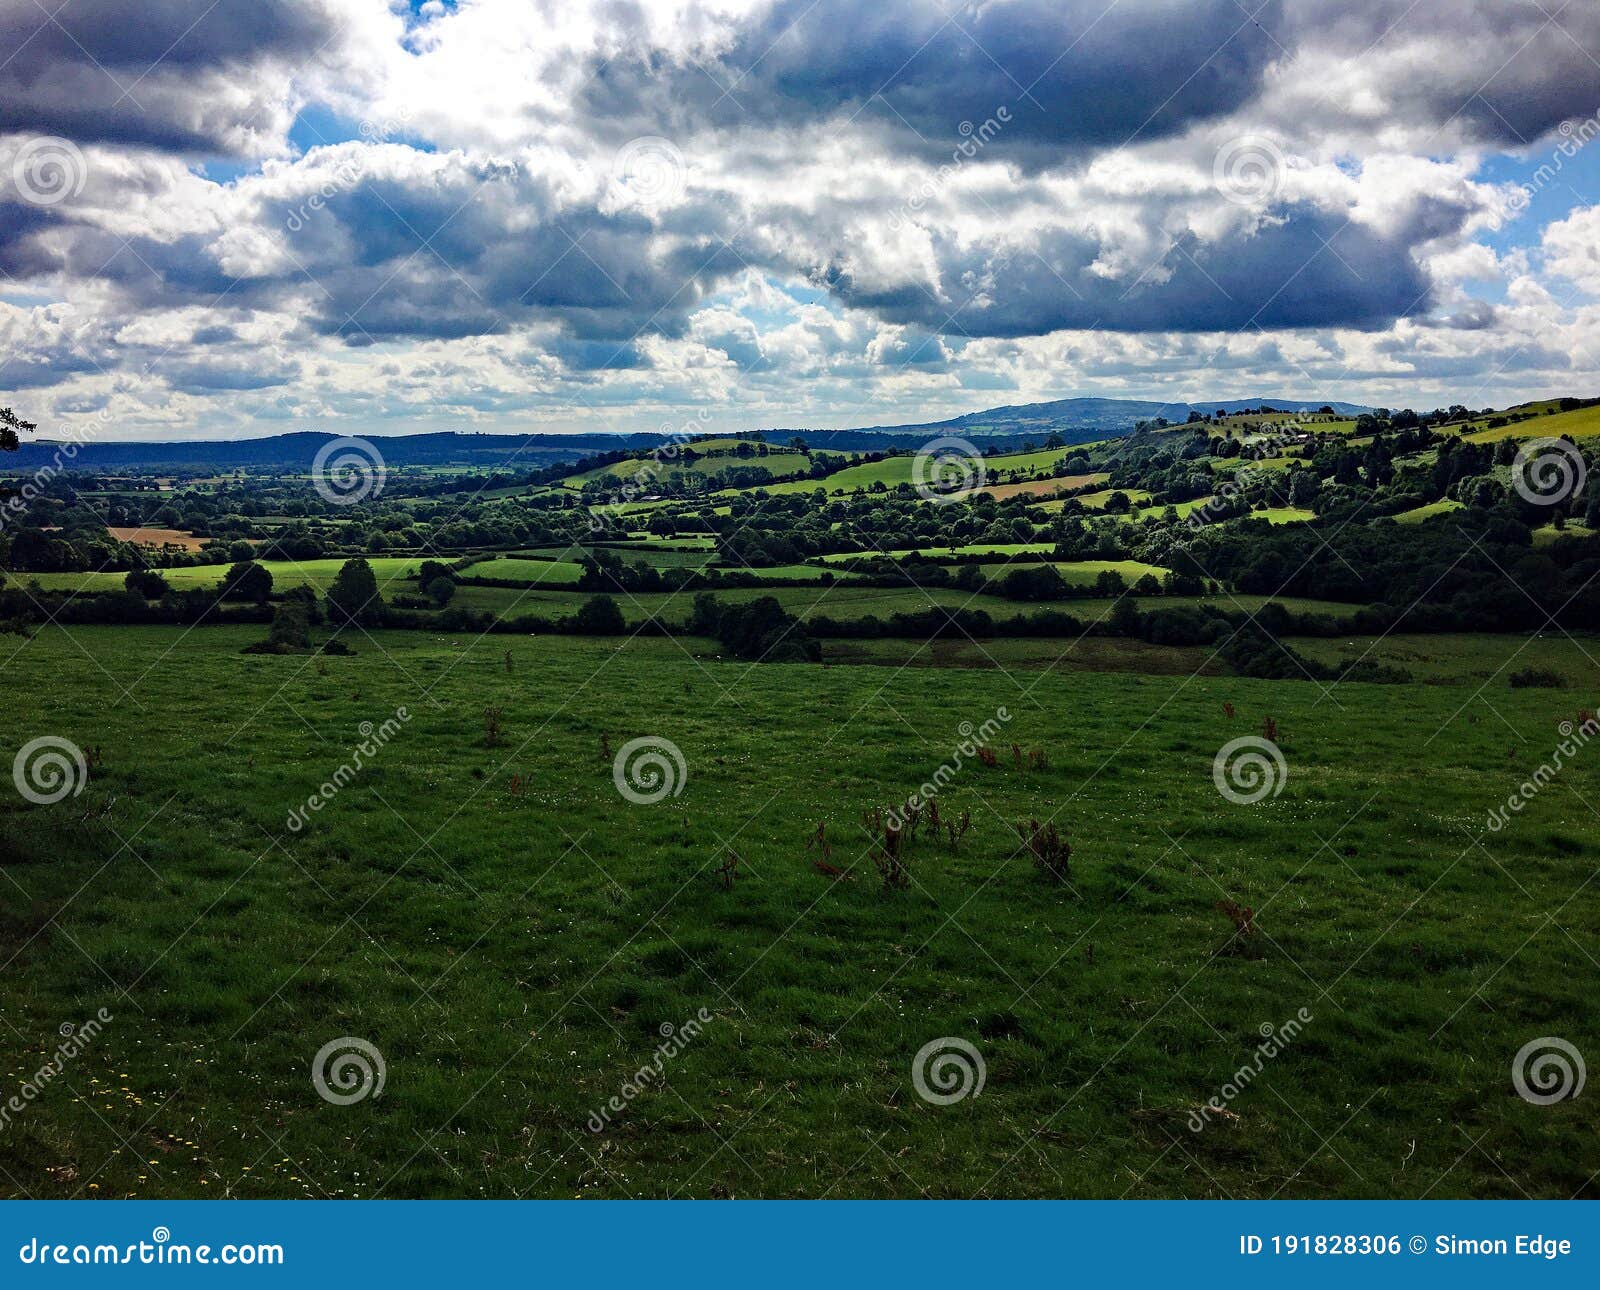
<point>241,551</point>
<point>289,630</point>
<point>10,423</point>
<point>247,580</point>
<point>353,599</point>
<point>146,582</point>
<point>440,590</point>
<point>599,616</point>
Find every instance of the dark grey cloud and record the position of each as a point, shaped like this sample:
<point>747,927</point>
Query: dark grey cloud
<point>1070,74</point>
<point>182,75</point>
<point>1499,72</point>
<point>1307,269</point>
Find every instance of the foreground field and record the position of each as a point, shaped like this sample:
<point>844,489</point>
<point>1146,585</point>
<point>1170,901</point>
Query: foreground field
<point>514,938</point>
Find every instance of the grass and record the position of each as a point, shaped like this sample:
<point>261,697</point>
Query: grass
<point>1283,514</point>
<point>715,457</point>
<point>1581,423</point>
<point>847,601</point>
<point>946,552</point>
<point>1416,515</point>
<point>515,952</point>
<point>1042,487</point>
<point>533,572</point>
<point>285,574</point>
<point>892,471</point>
<point>1470,660</point>
<point>1086,571</point>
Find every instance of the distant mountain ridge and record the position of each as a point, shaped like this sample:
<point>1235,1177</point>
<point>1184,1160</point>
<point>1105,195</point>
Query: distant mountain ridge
<point>1076,420</point>
<point>1090,413</point>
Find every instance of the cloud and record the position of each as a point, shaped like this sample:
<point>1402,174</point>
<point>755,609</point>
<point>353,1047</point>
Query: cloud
<point>180,75</point>
<point>574,208</point>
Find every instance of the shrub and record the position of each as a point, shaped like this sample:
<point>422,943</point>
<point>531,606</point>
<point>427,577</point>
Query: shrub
<point>1052,854</point>
<point>598,616</point>
<point>146,582</point>
<point>1536,678</point>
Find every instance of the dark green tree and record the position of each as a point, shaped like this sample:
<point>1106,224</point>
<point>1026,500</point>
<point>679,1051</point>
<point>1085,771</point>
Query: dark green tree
<point>247,580</point>
<point>599,616</point>
<point>10,423</point>
<point>353,598</point>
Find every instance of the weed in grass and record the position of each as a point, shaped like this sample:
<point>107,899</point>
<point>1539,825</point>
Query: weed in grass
<point>1052,854</point>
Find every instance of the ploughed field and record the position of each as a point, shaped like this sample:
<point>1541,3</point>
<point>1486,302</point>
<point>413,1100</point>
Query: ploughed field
<point>514,937</point>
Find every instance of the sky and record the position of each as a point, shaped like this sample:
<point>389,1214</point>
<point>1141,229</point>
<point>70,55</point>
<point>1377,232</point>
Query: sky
<point>226,220</point>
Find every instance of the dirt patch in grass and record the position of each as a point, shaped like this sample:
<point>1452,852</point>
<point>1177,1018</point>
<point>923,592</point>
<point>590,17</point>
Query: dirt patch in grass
<point>158,537</point>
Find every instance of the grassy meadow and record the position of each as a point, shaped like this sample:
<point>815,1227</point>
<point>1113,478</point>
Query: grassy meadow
<point>513,936</point>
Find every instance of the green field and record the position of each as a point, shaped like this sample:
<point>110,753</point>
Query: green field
<point>1582,423</point>
<point>718,458</point>
<point>847,601</point>
<point>1415,516</point>
<point>389,570</point>
<point>513,948</point>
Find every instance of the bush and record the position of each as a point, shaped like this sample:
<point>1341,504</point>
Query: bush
<point>147,583</point>
<point>1536,678</point>
<point>599,616</point>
